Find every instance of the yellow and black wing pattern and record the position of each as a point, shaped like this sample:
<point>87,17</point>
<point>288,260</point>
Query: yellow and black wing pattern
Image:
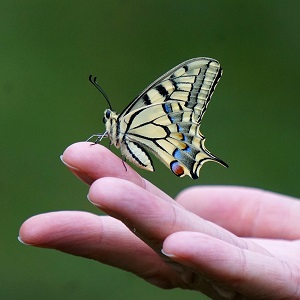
<point>165,119</point>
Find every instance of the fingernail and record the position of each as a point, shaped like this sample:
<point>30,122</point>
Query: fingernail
<point>96,204</point>
<point>67,165</point>
<point>79,173</point>
<point>167,254</point>
<point>22,242</point>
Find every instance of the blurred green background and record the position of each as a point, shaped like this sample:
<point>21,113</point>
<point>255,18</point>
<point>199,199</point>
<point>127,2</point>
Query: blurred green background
<point>47,51</point>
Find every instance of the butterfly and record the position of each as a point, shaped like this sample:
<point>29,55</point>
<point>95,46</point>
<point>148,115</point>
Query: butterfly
<point>165,119</point>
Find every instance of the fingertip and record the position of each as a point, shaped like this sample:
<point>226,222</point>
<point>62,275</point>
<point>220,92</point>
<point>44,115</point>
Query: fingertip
<point>77,155</point>
<point>72,168</point>
<point>79,159</point>
<point>98,205</point>
<point>22,242</point>
<point>106,191</point>
<point>90,161</point>
<point>28,231</point>
<point>183,244</point>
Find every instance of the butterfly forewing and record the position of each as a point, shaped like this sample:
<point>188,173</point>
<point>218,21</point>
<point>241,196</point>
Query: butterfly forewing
<point>165,119</point>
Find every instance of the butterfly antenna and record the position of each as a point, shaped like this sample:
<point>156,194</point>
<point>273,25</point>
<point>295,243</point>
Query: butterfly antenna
<point>94,82</point>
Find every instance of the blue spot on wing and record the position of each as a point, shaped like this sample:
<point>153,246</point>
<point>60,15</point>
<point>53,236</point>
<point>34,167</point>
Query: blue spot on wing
<point>188,150</point>
<point>167,108</point>
<point>179,128</point>
<point>181,154</point>
<point>177,154</point>
<point>183,127</point>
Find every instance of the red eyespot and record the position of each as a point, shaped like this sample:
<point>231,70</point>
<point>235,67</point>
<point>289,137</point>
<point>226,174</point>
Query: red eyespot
<point>176,168</point>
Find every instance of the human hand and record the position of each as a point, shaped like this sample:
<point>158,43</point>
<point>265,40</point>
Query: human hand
<point>227,242</point>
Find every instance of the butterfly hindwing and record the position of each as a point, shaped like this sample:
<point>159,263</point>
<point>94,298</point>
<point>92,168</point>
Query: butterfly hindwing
<point>173,137</point>
<point>165,119</point>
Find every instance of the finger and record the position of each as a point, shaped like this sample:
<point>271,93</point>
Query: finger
<point>284,250</point>
<point>90,161</point>
<point>245,211</point>
<point>104,239</point>
<point>151,217</point>
<point>233,270</point>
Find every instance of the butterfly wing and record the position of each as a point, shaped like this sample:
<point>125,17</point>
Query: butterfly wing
<point>165,119</point>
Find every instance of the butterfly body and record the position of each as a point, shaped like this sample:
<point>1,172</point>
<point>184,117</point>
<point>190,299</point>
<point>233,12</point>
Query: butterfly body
<point>165,119</point>
<point>116,131</point>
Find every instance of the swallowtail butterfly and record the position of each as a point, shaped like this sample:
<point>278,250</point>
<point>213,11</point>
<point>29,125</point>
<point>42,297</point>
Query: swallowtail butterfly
<point>165,119</point>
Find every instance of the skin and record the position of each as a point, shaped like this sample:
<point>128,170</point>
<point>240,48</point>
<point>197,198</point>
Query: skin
<point>227,242</point>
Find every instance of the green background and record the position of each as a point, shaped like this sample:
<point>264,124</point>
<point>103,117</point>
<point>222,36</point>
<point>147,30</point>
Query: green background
<point>47,51</point>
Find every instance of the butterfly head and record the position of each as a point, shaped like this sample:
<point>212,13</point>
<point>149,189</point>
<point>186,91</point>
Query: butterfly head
<point>110,121</point>
<point>107,115</point>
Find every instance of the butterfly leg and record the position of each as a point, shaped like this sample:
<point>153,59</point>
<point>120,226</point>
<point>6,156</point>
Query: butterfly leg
<point>123,161</point>
<point>99,136</point>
